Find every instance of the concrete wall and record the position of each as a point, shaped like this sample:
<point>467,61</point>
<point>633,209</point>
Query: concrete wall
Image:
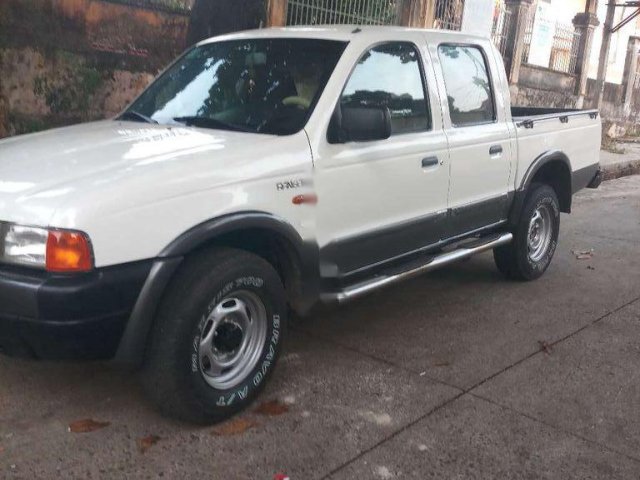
<point>541,87</point>
<point>619,42</point>
<point>66,61</point>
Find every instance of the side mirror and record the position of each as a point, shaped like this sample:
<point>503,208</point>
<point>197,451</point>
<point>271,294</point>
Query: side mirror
<point>359,124</point>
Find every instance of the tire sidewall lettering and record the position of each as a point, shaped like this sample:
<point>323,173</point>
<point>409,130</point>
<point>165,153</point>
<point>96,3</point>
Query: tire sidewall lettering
<point>267,358</point>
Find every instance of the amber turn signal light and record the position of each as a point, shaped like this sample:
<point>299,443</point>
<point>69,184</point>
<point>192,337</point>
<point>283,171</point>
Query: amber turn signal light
<point>68,252</point>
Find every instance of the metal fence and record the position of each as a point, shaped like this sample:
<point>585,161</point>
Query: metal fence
<point>501,23</point>
<point>528,35</point>
<point>564,48</point>
<point>564,53</point>
<point>329,12</point>
<point>448,14</point>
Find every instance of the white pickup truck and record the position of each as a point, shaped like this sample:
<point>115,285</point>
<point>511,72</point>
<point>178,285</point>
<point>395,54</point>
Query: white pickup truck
<point>264,172</point>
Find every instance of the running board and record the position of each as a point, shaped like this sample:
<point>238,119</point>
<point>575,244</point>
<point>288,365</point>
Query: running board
<point>435,262</point>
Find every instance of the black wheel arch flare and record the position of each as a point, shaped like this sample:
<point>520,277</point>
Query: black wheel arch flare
<point>564,188</point>
<point>304,254</point>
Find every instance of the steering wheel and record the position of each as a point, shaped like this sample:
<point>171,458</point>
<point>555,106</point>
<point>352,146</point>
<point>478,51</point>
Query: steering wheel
<point>296,101</point>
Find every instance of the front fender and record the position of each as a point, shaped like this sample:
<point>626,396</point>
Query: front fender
<point>133,343</point>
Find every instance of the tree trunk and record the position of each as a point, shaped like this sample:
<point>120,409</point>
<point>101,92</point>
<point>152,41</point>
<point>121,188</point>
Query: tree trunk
<point>210,18</point>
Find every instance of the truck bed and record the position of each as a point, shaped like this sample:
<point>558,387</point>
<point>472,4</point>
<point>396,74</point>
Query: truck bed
<point>575,133</point>
<point>526,116</point>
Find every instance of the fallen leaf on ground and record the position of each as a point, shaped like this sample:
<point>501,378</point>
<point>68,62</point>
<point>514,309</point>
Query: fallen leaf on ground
<point>233,427</point>
<point>583,254</point>
<point>442,364</point>
<point>87,425</point>
<point>147,442</point>
<point>272,408</point>
<point>544,347</point>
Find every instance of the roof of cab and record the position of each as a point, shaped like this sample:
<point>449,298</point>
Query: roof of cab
<point>336,32</point>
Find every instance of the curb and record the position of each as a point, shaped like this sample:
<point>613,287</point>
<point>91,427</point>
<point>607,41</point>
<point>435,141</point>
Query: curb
<point>618,170</point>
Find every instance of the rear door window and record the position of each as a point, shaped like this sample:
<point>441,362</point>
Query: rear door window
<point>468,85</point>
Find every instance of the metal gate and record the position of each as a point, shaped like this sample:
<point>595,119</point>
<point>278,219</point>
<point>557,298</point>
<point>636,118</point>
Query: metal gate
<point>501,24</point>
<point>359,12</point>
<point>448,14</point>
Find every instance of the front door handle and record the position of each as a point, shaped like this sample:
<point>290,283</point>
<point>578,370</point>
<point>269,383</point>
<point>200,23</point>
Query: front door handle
<point>430,162</point>
<point>495,150</point>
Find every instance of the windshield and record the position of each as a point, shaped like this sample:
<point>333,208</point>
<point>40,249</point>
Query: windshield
<point>256,85</point>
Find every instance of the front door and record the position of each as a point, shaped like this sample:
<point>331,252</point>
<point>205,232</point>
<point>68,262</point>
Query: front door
<point>385,198</point>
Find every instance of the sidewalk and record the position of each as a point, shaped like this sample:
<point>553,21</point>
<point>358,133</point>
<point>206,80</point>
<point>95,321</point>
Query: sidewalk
<point>616,165</point>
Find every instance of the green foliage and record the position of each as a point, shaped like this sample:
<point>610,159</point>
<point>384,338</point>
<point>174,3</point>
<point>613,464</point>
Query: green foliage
<point>18,124</point>
<point>73,92</point>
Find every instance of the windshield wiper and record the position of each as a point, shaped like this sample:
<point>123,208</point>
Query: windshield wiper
<point>206,122</point>
<point>136,116</point>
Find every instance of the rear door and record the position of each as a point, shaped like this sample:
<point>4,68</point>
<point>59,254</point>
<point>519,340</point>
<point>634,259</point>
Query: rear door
<point>478,134</point>
<point>382,199</point>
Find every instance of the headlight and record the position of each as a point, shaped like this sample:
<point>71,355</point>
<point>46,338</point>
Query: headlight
<point>51,249</point>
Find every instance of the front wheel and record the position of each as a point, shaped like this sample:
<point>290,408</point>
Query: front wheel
<point>535,236</point>
<point>217,336</point>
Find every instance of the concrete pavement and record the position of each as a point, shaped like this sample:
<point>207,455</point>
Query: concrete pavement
<point>458,374</point>
<point>623,163</point>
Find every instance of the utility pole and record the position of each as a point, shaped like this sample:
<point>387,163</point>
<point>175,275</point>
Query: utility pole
<point>604,53</point>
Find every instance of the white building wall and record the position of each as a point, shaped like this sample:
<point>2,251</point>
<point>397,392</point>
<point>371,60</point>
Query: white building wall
<point>619,42</point>
<point>565,10</point>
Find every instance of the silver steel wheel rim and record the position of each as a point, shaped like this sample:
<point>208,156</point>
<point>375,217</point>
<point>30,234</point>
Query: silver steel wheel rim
<point>232,339</point>
<point>540,233</point>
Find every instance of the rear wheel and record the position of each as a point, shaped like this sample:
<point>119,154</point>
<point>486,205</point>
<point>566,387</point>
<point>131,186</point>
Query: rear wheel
<point>535,236</point>
<point>217,336</point>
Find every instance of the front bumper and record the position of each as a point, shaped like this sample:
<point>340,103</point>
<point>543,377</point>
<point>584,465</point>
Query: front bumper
<point>59,317</point>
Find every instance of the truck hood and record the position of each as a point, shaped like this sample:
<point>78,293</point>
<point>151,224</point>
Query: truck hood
<point>39,172</point>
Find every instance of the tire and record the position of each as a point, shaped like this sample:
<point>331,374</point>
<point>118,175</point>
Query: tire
<point>528,256</point>
<point>217,336</point>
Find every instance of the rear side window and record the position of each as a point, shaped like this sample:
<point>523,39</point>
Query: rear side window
<point>466,78</point>
<point>390,76</point>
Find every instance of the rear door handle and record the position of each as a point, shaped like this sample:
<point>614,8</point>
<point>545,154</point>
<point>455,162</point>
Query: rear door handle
<point>495,150</point>
<point>430,162</point>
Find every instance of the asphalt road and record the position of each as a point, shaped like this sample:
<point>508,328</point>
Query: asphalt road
<point>458,374</point>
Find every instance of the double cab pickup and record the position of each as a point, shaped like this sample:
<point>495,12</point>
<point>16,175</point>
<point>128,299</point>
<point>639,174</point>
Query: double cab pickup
<point>264,172</point>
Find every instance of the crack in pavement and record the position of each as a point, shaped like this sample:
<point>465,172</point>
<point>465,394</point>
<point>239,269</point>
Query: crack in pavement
<point>469,390</point>
<point>377,359</point>
<point>392,435</point>
<point>553,344</point>
<point>555,427</point>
